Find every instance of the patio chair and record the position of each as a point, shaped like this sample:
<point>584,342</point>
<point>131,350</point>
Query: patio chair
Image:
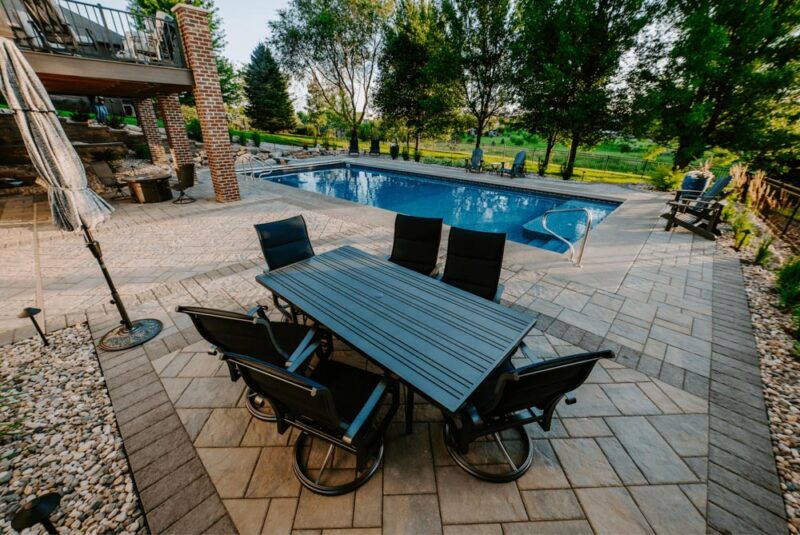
<point>332,402</point>
<point>54,32</point>
<point>715,192</point>
<point>507,400</point>
<point>107,177</point>
<point>701,219</point>
<point>254,336</point>
<point>375,147</point>
<point>475,163</point>
<point>692,186</point>
<point>185,181</point>
<point>285,242</point>
<point>474,260</point>
<point>517,168</point>
<point>416,243</point>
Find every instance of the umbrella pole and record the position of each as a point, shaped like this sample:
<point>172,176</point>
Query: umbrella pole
<point>129,333</point>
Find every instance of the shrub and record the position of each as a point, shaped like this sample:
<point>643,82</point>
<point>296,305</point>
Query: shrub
<point>115,121</point>
<point>763,253</point>
<point>306,130</point>
<point>542,168</point>
<point>742,229</point>
<point>664,179</point>
<point>256,137</point>
<point>394,151</point>
<point>405,154</point>
<point>142,151</point>
<point>788,284</point>
<point>728,212</point>
<point>417,155</point>
<point>565,172</point>
<point>517,140</point>
<point>625,147</point>
<point>193,130</point>
<point>80,116</point>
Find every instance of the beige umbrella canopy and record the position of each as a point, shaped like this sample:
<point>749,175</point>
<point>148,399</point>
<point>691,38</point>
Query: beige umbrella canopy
<point>74,206</point>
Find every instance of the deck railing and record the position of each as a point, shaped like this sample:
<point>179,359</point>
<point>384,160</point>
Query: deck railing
<point>76,28</point>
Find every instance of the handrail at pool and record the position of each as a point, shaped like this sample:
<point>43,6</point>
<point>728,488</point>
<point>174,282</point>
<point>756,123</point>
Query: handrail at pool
<point>569,244</point>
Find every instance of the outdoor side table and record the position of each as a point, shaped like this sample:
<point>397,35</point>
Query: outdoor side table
<point>439,340</point>
<point>150,189</point>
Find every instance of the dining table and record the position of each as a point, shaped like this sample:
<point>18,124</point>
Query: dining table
<point>440,341</point>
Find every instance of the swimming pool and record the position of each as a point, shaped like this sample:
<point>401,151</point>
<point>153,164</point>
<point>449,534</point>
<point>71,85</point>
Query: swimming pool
<point>515,211</point>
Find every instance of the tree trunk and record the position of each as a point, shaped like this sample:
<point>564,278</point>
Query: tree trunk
<point>573,151</point>
<point>479,133</point>
<point>408,140</point>
<point>416,142</point>
<point>353,141</point>
<point>551,142</point>
<point>683,155</point>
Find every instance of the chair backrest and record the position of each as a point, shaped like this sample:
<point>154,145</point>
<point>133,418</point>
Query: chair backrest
<point>519,161</point>
<point>295,398</point>
<point>186,175</point>
<point>284,242</point>
<point>234,334</point>
<point>474,261</point>
<point>416,242</point>
<point>375,146</point>
<point>477,156</point>
<point>540,384</point>
<point>693,185</point>
<point>715,191</point>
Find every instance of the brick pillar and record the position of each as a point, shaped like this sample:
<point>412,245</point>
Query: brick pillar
<point>196,36</point>
<point>170,109</point>
<point>146,115</point>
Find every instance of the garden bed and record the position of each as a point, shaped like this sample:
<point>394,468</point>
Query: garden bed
<point>60,435</point>
<point>780,372</point>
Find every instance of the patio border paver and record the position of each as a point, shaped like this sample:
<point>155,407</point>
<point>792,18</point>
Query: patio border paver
<point>744,493</point>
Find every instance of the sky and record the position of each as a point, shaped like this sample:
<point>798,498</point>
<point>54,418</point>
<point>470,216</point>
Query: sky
<point>245,23</point>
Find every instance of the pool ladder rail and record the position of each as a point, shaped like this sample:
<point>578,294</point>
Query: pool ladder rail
<point>569,244</point>
<point>255,163</point>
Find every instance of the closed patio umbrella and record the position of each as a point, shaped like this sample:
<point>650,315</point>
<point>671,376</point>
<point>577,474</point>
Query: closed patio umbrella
<point>74,206</point>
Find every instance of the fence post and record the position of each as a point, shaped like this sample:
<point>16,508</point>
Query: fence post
<point>791,218</point>
<point>644,168</point>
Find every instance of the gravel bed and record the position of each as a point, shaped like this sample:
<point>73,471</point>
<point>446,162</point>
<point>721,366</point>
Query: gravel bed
<point>67,440</point>
<point>780,373</point>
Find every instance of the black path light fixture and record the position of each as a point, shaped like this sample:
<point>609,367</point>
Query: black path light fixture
<point>37,511</point>
<point>73,205</point>
<point>31,312</point>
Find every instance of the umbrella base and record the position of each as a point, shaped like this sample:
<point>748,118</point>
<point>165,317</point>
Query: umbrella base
<point>121,338</point>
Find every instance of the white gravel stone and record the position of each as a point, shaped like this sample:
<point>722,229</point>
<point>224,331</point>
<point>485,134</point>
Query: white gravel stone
<point>67,440</point>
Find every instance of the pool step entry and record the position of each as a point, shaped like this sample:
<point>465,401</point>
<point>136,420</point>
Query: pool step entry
<point>565,230</point>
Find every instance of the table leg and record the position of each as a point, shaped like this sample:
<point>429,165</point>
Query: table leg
<point>409,410</point>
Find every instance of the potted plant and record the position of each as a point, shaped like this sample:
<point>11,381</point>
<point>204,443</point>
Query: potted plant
<point>394,151</point>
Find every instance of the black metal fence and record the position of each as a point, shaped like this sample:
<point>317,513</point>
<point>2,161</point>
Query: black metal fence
<point>92,30</point>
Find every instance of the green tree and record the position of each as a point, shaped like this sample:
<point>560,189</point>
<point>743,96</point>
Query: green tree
<point>269,106</point>
<point>316,108</point>
<point>228,78</point>
<point>334,44</point>
<point>481,32</point>
<point>727,81</point>
<point>418,84</point>
<point>571,51</point>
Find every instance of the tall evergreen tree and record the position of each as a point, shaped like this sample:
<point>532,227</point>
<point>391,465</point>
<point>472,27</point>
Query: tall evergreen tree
<point>729,80</point>
<point>480,32</point>
<point>269,106</point>
<point>418,83</point>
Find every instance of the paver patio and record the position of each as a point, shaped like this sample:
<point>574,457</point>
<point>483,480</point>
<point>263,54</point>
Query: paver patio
<point>671,437</point>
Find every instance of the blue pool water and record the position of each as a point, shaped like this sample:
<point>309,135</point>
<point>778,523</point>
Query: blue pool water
<point>462,204</point>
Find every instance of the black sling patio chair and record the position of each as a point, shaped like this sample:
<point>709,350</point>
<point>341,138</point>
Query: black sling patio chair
<point>283,243</point>
<point>336,403</point>
<point>254,336</point>
<point>416,243</point>
<point>185,181</point>
<point>474,260</point>
<point>509,399</point>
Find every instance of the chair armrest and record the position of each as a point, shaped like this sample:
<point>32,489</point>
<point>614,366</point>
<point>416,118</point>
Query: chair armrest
<point>526,351</point>
<point>363,416</point>
<point>304,343</point>
<point>560,362</point>
<point>295,363</point>
<point>258,310</point>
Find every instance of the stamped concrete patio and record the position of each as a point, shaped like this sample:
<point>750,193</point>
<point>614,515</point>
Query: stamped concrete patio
<point>671,437</point>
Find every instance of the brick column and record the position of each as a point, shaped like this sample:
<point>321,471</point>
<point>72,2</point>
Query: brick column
<point>170,109</point>
<point>196,36</point>
<point>146,115</point>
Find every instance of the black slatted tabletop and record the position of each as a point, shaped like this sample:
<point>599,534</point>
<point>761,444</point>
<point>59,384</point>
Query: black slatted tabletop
<point>440,340</point>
